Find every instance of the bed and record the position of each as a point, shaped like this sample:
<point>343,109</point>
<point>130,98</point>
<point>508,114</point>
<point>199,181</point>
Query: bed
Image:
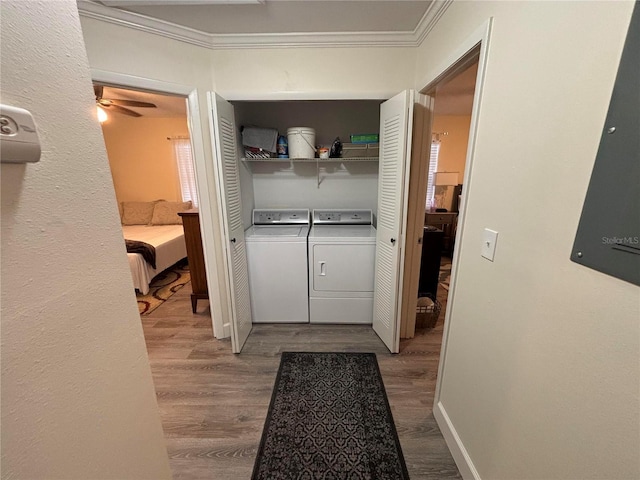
<point>158,224</point>
<point>168,241</point>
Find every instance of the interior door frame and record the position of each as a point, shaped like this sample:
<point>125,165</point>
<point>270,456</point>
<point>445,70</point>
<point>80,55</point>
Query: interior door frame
<point>207,218</point>
<point>480,37</point>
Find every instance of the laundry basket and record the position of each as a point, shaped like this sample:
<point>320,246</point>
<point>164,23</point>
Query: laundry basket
<point>427,312</point>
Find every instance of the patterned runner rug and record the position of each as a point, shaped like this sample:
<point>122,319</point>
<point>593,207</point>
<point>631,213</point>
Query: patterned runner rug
<point>162,287</point>
<point>329,418</point>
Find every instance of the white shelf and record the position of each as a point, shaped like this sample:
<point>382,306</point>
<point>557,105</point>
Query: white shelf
<point>310,160</point>
<point>316,161</point>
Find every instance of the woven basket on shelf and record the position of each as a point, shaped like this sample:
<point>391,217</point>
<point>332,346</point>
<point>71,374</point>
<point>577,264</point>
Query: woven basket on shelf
<point>257,153</point>
<point>427,312</point>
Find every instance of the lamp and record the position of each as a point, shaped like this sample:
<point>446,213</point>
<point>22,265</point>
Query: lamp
<point>443,180</point>
<point>102,115</point>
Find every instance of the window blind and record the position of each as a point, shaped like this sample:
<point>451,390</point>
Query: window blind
<point>433,167</point>
<point>186,172</point>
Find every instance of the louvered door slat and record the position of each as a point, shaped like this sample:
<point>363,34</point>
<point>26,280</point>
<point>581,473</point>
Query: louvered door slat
<point>224,134</point>
<point>243,304</point>
<point>394,121</point>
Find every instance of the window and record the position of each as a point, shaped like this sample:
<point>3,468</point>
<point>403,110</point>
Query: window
<point>433,167</point>
<point>186,172</point>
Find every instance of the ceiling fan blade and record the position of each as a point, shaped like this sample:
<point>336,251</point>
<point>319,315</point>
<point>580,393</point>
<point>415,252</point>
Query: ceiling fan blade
<point>124,111</point>
<point>132,103</point>
<point>97,89</point>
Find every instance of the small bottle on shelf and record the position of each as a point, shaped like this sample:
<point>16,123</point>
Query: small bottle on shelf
<point>282,147</point>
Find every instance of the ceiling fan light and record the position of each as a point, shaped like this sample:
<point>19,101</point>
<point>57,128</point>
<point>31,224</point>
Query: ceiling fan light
<point>102,115</point>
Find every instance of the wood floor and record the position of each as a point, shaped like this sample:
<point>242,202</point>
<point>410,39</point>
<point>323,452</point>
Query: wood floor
<point>213,403</point>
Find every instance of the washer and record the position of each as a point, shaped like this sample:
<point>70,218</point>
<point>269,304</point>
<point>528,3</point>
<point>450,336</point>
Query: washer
<point>277,264</point>
<point>342,251</point>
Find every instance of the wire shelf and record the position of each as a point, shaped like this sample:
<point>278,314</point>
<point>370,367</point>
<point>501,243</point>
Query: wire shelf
<point>311,160</point>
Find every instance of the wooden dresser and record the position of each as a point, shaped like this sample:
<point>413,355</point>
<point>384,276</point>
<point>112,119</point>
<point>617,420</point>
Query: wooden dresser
<point>195,254</point>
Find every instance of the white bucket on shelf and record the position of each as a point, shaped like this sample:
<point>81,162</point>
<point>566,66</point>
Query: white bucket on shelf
<point>302,142</point>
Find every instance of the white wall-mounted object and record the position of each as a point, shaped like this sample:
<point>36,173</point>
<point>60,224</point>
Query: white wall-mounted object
<point>489,240</point>
<point>19,142</point>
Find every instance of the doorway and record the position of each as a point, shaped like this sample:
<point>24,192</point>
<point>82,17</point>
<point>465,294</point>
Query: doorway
<point>150,157</point>
<point>439,161</point>
<point>207,197</point>
<point>138,129</point>
<point>451,122</point>
<point>474,49</point>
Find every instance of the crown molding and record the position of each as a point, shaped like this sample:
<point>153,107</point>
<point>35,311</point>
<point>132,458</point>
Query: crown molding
<point>430,19</point>
<point>135,21</point>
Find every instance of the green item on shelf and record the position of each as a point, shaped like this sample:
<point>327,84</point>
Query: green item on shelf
<point>365,138</point>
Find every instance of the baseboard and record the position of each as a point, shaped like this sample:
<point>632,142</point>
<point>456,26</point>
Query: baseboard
<point>456,447</point>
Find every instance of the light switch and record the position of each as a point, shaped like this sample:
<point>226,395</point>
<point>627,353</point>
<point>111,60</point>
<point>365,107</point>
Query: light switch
<point>489,240</point>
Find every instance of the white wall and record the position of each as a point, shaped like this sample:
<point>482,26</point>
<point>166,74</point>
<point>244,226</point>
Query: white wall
<point>77,395</point>
<point>541,379</point>
<point>346,185</point>
<point>312,73</point>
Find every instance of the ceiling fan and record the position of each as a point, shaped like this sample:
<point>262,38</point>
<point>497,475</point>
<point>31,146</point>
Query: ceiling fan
<point>119,105</point>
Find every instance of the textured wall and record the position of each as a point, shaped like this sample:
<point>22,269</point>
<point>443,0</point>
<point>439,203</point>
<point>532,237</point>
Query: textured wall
<point>541,379</point>
<point>77,394</point>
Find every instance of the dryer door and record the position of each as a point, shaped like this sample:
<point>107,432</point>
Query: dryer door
<point>343,268</point>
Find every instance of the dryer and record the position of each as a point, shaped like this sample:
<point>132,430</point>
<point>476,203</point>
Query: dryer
<point>277,265</point>
<point>342,248</point>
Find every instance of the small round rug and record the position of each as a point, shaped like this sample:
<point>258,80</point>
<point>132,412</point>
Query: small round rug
<point>162,287</point>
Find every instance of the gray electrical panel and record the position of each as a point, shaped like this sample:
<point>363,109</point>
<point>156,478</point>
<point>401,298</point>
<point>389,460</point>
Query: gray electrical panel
<point>608,236</point>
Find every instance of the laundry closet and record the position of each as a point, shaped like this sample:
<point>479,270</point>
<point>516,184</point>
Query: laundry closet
<point>351,184</point>
<point>300,183</point>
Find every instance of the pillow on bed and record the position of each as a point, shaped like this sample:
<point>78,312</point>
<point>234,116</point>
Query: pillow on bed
<point>166,213</point>
<point>120,210</point>
<point>137,213</point>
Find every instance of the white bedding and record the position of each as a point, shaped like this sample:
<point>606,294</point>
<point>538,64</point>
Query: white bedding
<point>170,247</point>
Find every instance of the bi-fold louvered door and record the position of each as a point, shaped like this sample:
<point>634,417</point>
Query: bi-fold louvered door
<point>224,140</point>
<point>395,139</point>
